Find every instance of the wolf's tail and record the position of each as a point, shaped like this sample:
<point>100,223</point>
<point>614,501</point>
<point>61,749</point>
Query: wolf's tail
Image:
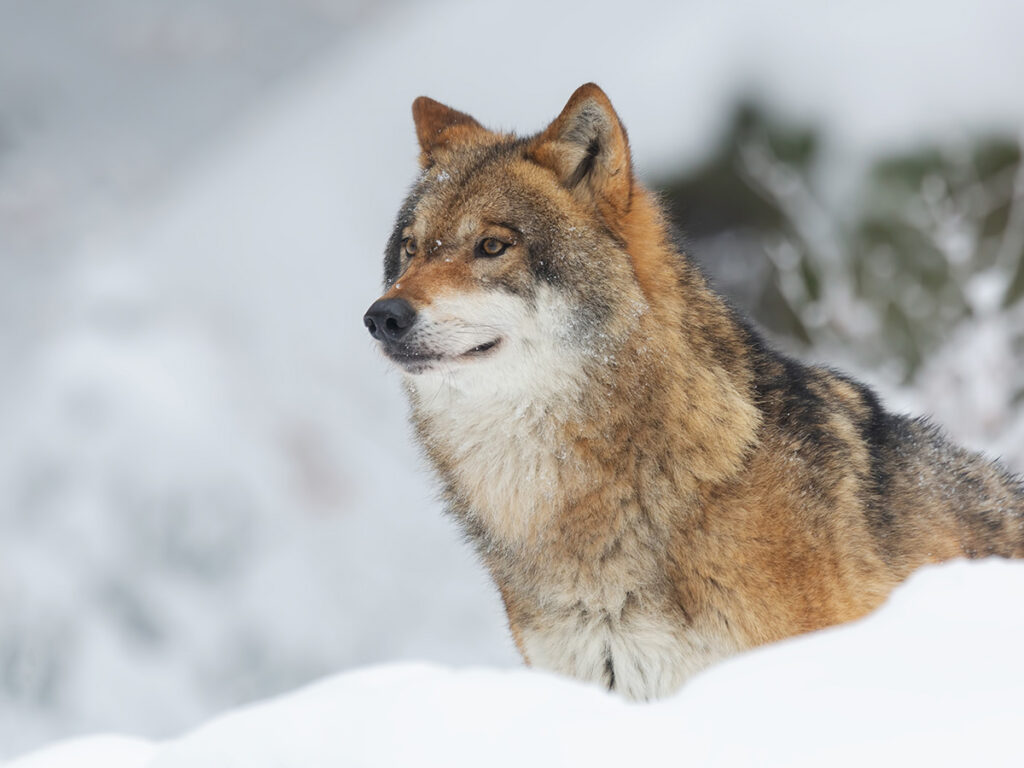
<point>973,503</point>
<point>987,503</point>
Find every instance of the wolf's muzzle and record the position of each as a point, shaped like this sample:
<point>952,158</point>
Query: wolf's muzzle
<point>389,319</point>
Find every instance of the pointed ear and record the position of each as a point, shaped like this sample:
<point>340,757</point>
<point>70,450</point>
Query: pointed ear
<point>440,126</point>
<point>587,147</point>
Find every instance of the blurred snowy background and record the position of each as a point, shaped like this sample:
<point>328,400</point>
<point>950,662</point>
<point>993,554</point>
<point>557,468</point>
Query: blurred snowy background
<point>208,493</point>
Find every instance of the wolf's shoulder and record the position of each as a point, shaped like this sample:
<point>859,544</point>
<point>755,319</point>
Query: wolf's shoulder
<point>818,404</point>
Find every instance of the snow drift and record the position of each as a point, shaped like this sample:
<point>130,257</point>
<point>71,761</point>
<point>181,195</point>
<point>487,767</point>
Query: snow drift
<point>933,678</point>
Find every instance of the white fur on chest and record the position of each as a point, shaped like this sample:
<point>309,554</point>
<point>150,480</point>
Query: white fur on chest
<point>510,468</point>
<point>642,656</point>
<point>505,459</point>
<point>497,420</point>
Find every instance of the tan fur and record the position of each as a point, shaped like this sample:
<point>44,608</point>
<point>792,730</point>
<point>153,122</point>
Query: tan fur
<point>651,487</point>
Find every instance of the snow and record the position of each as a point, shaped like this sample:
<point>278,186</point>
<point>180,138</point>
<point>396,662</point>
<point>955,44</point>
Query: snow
<point>108,751</point>
<point>208,492</point>
<point>933,678</point>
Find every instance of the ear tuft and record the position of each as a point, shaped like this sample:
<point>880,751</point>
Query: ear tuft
<point>587,147</point>
<point>438,125</point>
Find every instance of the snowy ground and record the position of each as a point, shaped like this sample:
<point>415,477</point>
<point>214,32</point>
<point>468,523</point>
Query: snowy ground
<point>208,493</point>
<point>933,678</point>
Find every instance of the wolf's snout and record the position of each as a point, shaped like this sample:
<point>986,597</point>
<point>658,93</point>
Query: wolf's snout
<point>389,319</point>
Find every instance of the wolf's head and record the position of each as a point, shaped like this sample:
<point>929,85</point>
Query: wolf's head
<point>513,259</point>
<point>532,293</point>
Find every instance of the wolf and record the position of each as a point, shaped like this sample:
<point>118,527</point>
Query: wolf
<point>651,486</point>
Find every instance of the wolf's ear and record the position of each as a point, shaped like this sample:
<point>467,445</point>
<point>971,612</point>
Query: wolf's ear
<point>587,147</point>
<point>440,126</point>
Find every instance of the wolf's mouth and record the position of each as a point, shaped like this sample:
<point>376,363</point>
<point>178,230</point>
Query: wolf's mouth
<point>410,358</point>
<point>411,362</point>
<point>418,362</point>
<point>480,349</point>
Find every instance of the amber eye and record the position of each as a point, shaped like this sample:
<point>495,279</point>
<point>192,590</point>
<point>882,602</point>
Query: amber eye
<point>490,247</point>
<point>409,246</point>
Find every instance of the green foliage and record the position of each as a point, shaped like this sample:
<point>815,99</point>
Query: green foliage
<point>927,239</point>
<point>716,197</point>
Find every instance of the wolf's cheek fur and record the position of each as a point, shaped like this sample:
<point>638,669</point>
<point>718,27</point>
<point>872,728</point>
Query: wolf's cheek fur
<point>536,351</point>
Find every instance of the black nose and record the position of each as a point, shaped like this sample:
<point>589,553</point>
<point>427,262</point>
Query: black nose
<point>389,319</point>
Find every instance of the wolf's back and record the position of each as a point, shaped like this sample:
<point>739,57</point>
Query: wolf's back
<point>923,498</point>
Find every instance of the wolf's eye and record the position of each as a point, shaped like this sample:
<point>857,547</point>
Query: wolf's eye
<point>409,246</point>
<point>490,247</point>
